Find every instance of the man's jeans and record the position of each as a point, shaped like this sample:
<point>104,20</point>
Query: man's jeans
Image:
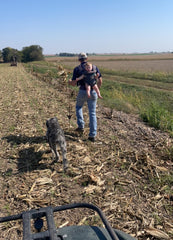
<point>81,99</point>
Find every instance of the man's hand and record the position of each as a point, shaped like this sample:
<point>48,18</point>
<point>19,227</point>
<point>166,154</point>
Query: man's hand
<point>72,82</point>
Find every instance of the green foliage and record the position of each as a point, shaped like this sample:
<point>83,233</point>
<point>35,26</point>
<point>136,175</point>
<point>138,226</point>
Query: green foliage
<point>157,116</point>
<point>42,68</point>
<point>154,106</point>
<point>39,69</point>
<point>32,53</point>
<point>157,76</point>
<point>28,54</point>
<point>169,153</point>
<point>12,128</point>
<point>8,54</point>
<point>115,98</point>
<point>165,181</point>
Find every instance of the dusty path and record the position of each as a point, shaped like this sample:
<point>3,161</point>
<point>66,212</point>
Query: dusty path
<point>119,173</point>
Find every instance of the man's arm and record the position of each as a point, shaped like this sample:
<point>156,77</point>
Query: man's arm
<point>73,81</point>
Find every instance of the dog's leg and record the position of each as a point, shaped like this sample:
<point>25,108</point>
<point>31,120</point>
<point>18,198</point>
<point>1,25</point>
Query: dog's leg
<point>55,154</point>
<point>64,152</point>
<point>65,164</point>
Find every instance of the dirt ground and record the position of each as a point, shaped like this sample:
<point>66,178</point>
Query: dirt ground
<point>125,172</point>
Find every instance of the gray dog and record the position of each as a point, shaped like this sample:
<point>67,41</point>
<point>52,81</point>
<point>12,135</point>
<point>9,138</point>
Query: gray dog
<point>55,135</point>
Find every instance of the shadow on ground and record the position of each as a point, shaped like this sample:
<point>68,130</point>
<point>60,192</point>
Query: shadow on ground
<point>23,139</point>
<point>29,159</point>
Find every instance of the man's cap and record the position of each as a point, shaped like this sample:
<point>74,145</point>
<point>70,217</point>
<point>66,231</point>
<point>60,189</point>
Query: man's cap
<point>82,55</point>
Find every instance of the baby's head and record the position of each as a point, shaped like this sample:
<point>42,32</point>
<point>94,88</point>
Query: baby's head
<point>88,67</point>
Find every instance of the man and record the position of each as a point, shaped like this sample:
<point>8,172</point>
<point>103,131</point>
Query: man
<point>82,98</point>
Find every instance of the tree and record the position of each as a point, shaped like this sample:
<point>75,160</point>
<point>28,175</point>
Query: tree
<point>8,54</point>
<point>32,53</point>
<point>0,54</point>
<point>64,54</point>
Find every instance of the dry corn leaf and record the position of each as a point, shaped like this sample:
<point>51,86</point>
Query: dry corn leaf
<point>41,181</point>
<point>169,227</point>
<point>92,188</point>
<point>157,233</point>
<point>21,196</point>
<point>61,72</point>
<point>33,185</point>
<point>77,177</point>
<point>162,169</point>
<point>44,180</point>
<point>87,159</point>
<point>40,148</point>
<point>54,173</point>
<point>96,180</point>
<point>36,201</point>
<point>82,221</point>
<point>158,196</point>
<point>79,148</point>
<point>64,224</point>
<point>99,168</point>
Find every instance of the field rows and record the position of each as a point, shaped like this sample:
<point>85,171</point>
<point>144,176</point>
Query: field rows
<point>141,82</point>
<point>139,63</point>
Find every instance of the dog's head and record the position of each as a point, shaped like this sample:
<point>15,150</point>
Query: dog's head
<point>51,122</point>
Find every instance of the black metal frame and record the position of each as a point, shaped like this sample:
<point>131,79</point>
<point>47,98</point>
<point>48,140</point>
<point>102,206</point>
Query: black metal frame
<point>47,212</point>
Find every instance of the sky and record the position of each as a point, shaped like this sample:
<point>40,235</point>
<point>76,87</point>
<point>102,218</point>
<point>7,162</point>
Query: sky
<point>92,26</point>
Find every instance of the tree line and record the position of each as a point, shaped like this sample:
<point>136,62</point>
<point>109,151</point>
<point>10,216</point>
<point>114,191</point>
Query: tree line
<point>66,54</point>
<point>28,54</point>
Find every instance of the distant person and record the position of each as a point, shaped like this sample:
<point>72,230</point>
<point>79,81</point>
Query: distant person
<point>90,78</point>
<point>83,97</point>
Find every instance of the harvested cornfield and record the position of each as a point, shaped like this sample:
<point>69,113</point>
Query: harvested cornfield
<point>127,172</point>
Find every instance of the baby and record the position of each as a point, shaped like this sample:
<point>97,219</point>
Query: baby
<point>90,79</point>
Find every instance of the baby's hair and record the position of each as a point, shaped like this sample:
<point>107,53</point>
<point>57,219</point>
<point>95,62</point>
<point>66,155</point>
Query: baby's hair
<point>87,64</point>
